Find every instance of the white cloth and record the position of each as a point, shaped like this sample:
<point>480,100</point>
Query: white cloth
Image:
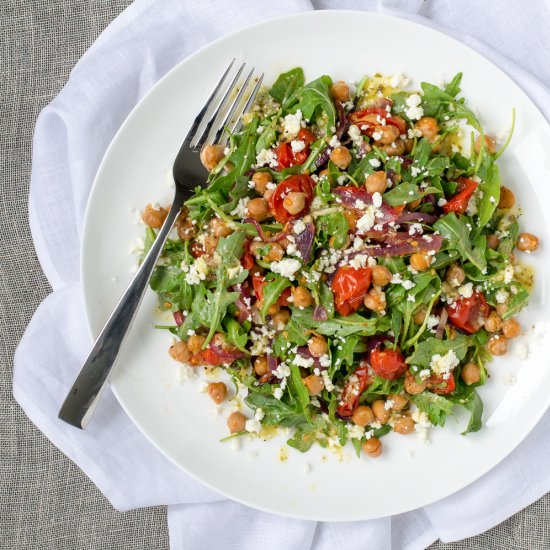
<point>71,136</point>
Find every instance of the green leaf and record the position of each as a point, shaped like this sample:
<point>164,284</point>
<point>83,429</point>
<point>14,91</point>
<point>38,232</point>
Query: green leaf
<point>490,187</point>
<point>343,356</point>
<point>353,324</point>
<point>277,412</point>
<point>475,406</point>
<point>230,248</point>
<point>268,136</point>
<point>315,98</point>
<point>148,241</point>
<point>407,192</point>
<point>298,389</point>
<point>517,301</point>
<point>457,237</point>
<point>286,85</point>
<point>422,356</point>
<point>453,87</point>
<point>236,334</point>
<point>304,437</point>
<point>272,291</point>
<point>326,299</point>
<point>435,406</point>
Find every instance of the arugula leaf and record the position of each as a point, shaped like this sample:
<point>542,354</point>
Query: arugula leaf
<point>457,235</point>
<point>242,158</point>
<point>236,334</point>
<point>230,248</point>
<point>453,87</point>
<point>298,388</point>
<point>169,282</point>
<point>315,98</point>
<point>267,137</point>
<point>517,301</point>
<point>490,187</point>
<point>277,412</point>
<point>470,400</point>
<point>272,291</point>
<point>435,406</point>
<point>343,356</point>
<point>422,356</point>
<point>407,192</point>
<point>148,241</point>
<point>286,85</point>
<point>304,437</point>
<point>352,324</point>
<point>326,299</point>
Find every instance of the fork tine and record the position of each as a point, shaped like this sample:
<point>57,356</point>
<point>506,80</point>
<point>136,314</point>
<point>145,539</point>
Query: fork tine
<point>233,108</point>
<point>202,139</point>
<point>207,105</point>
<point>248,104</point>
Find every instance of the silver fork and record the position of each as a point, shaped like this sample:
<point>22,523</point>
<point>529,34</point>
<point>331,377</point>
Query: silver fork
<point>188,172</point>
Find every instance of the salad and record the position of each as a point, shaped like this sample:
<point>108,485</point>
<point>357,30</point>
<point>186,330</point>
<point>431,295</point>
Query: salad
<point>352,264</point>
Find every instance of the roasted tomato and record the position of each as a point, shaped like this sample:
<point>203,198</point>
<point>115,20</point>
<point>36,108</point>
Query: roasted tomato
<point>369,118</point>
<point>349,286</point>
<point>298,183</point>
<point>389,363</point>
<point>459,203</point>
<point>438,384</point>
<point>357,383</point>
<point>247,261</point>
<point>286,157</point>
<point>469,314</point>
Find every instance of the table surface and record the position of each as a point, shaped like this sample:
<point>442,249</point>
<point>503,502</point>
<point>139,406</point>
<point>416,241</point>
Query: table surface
<point>46,502</point>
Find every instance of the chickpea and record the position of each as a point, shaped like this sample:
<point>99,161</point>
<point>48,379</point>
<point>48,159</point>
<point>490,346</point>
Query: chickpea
<point>186,229</point>
<point>211,155</point>
<point>507,198</point>
<point>399,401</point>
<point>428,127</point>
<point>217,391</point>
<point>154,218</point>
<point>412,386</point>
<point>511,328</point>
<point>273,309</point>
<point>420,261</point>
<point>409,144</point>
<point>268,194</point>
<point>404,425</point>
<point>372,447</point>
<point>195,343</point>
<point>340,91</point>
<point>501,308</point>
<point>341,157</point>
<point>420,315</point>
<point>302,297</point>
<point>261,179</point>
<point>527,242</point>
<point>210,243</point>
<point>351,218</point>
<point>294,202</point>
<point>470,373</point>
<point>257,247</point>
<point>281,319</point>
<point>236,422</point>
<point>317,346</point>
<point>385,134</point>
<point>276,253</point>
<point>493,241</point>
<point>376,182</point>
<point>379,410</point>
<point>490,143</point>
<point>493,323</point>
<point>380,275</point>
<point>455,275</point>
<point>219,228</point>
<point>260,365</point>
<point>397,147</point>
<point>375,300</point>
<point>497,345</point>
<point>314,384</point>
<point>363,415</point>
<point>180,352</point>
<point>258,209</point>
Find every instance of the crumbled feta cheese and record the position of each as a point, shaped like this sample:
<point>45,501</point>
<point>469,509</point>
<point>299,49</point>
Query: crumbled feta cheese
<point>253,426</point>
<point>329,386</point>
<point>422,424</point>
<point>407,285</point>
<point>292,124</point>
<point>424,373</point>
<point>334,142</point>
<point>355,135</point>
<point>432,322</point>
<point>441,202</point>
<point>277,393</point>
<point>377,200</point>
<point>413,110</point>
<point>375,163</point>
<point>366,221</point>
<point>413,132</point>
<point>286,267</point>
<point>297,145</point>
<point>266,157</point>
<point>444,364</point>
<point>508,274</point>
<point>324,361</point>
<point>356,432</point>
<point>501,296</point>
<point>299,227</point>
<point>466,290</point>
<point>301,361</point>
<point>399,81</point>
<point>241,210</point>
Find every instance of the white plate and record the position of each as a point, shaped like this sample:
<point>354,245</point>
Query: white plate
<point>175,417</point>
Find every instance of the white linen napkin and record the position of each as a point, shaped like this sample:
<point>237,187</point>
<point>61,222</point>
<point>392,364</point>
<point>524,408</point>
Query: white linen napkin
<point>72,133</point>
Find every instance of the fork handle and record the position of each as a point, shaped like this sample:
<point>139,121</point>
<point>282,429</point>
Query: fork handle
<point>85,393</point>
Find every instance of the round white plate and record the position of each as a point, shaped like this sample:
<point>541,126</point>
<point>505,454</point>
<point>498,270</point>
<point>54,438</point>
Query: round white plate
<point>177,418</point>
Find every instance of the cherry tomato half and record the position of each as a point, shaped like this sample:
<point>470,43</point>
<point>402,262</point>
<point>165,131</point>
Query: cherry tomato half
<point>369,118</point>
<point>355,386</point>
<point>247,261</point>
<point>459,203</point>
<point>438,384</point>
<point>298,183</point>
<point>349,287</point>
<point>469,314</point>
<point>287,158</point>
<point>389,363</point>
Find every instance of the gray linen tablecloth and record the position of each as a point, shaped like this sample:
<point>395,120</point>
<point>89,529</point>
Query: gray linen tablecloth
<point>46,502</point>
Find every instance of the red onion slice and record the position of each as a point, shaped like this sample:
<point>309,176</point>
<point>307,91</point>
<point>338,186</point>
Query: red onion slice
<point>274,239</point>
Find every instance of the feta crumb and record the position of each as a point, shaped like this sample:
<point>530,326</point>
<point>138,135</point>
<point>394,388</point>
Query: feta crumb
<point>413,110</point>
<point>377,200</point>
<point>277,393</point>
<point>241,210</point>
<point>466,290</point>
<point>444,364</point>
<point>297,145</point>
<point>375,163</point>
<point>292,124</point>
<point>286,267</point>
<point>253,425</point>
<point>266,157</point>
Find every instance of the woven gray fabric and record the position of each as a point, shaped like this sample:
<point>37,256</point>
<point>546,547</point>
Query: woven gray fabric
<point>46,502</point>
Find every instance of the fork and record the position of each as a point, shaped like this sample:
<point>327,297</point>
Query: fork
<point>188,172</point>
